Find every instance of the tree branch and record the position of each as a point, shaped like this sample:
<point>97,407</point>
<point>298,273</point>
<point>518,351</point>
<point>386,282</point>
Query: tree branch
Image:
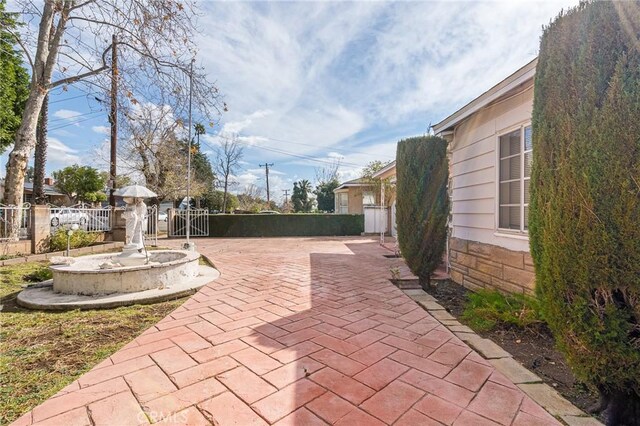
<point>75,78</point>
<point>23,47</point>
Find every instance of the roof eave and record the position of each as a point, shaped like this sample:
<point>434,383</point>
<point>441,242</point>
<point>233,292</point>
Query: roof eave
<point>385,169</point>
<point>514,80</point>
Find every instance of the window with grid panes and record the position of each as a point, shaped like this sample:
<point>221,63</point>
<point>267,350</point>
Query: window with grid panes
<point>515,173</point>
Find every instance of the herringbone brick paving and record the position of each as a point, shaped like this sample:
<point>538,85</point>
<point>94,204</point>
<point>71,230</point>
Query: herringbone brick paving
<point>305,331</point>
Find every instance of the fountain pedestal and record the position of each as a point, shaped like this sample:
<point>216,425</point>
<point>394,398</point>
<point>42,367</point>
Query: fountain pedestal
<point>130,256</point>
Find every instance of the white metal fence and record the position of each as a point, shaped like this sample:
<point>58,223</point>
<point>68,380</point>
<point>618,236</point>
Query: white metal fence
<point>90,219</point>
<point>12,217</point>
<point>199,226</point>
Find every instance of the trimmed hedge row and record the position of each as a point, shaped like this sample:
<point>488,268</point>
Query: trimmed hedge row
<point>285,225</point>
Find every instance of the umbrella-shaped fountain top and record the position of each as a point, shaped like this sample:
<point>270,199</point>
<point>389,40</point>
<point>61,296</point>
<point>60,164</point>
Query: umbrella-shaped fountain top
<point>135,216</point>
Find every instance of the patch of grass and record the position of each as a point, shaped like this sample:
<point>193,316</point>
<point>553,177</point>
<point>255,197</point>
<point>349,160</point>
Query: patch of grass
<point>42,352</point>
<point>13,277</point>
<point>487,309</point>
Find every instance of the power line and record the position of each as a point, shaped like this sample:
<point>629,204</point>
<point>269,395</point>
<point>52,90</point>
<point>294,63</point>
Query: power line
<point>315,146</point>
<point>72,124</point>
<point>68,99</point>
<point>302,156</point>
<point>58,119</point>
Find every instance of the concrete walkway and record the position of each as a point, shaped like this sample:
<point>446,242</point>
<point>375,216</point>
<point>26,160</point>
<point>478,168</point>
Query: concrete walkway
<point>302,331</point>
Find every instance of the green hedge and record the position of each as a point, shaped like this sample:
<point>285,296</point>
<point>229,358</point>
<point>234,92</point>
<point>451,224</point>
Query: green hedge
<point>285,225</point>
<point>584,220</point>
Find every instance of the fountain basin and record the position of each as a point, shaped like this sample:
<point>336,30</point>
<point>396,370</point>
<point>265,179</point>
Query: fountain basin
<point>165,268</point>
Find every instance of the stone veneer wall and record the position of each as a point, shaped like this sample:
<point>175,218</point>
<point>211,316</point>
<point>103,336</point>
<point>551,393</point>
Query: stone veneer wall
<point>478,265</point>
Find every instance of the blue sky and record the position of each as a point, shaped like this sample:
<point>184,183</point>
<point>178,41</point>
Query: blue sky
<point>326,80</point>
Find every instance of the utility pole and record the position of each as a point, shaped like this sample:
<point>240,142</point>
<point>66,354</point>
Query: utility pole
<point>113,119</point>
<point>266,170</point>
<point>188,245</point>
<point>286,196</point>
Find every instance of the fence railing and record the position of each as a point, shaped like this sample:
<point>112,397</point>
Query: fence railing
<point>199,226</point>
<point>89,219</point>
<point>14,218</point>
<point>151,230</point>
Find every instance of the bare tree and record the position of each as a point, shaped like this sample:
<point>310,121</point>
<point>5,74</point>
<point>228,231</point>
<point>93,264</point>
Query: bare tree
<point>69,41</point>
<point>250,199</point>
<point>228,156</point>
<point>153,150</point>
<point>329,172</point>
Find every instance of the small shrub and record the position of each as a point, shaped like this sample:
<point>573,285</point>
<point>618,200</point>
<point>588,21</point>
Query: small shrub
<point>395,273</point>
<point>80,238</point>
<point>43,273</point>
<point>488,308</point>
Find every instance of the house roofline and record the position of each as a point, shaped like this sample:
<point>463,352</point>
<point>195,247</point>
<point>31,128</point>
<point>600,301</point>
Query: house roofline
<point>385,169</point>
<point>349,185</point>
<point>514,80</point>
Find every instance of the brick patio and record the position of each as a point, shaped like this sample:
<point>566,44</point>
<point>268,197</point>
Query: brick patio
<point>302,331</point>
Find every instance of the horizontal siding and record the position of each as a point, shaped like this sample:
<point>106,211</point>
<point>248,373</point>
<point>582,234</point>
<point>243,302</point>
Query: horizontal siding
<point>517,113</point>
<point>476,149</point>
<point>476,163</point>
<point>475,177</point>
<point>475,192</point>
<point>480,126</point>
<point>480,220</point>
<point>482,206</point>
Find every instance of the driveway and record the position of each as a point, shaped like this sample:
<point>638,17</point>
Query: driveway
<point>296,331</point>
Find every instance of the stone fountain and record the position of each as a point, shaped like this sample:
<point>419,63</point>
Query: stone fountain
<point>132,276</point>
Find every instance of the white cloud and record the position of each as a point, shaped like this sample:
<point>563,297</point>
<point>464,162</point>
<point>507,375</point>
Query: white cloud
<point>102,130</point>
<point>60,155</point>
<point>349,79</point>
<point>66,114</point>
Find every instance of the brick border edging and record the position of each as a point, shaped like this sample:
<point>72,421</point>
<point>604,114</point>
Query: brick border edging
<point>98,248</point>
<point>527,381</point>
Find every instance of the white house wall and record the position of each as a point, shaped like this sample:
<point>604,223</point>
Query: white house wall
<point>474,175</point>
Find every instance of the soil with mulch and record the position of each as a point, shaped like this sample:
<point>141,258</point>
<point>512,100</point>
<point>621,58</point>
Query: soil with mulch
<point>533,347</point>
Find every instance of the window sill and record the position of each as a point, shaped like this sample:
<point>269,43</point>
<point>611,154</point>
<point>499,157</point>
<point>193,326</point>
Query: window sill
<point>515,235</point>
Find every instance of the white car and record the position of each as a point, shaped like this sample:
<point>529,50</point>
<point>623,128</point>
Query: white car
<point>66,215</point>
<point>162,216</point>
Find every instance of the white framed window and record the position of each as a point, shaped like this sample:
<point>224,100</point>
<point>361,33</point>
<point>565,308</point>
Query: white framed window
<point>515,158</point>
<point>343,203</point>
<point>368,198</point>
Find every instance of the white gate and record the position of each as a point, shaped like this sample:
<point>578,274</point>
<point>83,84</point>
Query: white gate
<point>375,219</point>
<point>151,231</point>
<point>394,226</point>
<point>199,226</point>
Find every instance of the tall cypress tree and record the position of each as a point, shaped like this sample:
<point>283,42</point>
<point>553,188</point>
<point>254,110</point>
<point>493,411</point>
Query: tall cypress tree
<point>14,80</point>
<point>422,205</point>
<point>584,222</point>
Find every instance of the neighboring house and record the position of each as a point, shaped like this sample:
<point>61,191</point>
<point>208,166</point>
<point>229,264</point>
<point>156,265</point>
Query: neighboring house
<point>389,172</point>
<point>490,165</point>
<point>51,193</point>
<point>352,196</point>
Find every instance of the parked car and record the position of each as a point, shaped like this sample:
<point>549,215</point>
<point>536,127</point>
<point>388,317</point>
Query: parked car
<point>67,215</point>
<point>162,216</point>
<point>269,212</point>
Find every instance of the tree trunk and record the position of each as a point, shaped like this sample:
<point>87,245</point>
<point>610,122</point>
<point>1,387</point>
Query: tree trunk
<point>224,196</point>
<point>40,160</point>
<point>619,408</point>
<point>44,60</point>
<point>425,282</point>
